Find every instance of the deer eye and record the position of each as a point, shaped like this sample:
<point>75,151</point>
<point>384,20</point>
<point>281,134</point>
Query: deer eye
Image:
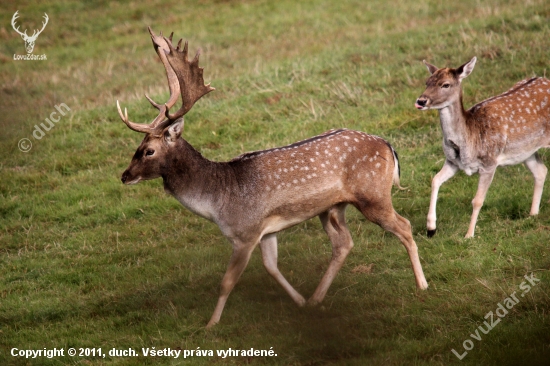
<point>149,152</point>
<point>446,86</point>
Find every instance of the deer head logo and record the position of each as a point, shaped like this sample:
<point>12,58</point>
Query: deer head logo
<point>29,40</point>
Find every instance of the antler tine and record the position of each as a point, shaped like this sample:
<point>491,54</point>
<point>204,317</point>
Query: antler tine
<point>158,124</point>
<point>155,104</point>
<point>190,78</point>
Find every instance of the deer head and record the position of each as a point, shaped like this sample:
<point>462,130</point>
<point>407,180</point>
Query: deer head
<point>443,87</point>
<point>184,78</point>
<point>29,40</point>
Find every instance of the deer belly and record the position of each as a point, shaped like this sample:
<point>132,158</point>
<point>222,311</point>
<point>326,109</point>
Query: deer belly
<point>515,157</point>
<point>294,214</point>
<point>278,223</point>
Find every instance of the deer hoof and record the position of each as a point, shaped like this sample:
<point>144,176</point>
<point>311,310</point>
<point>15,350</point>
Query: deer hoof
<point>312,303</point>
<point>431,233</point>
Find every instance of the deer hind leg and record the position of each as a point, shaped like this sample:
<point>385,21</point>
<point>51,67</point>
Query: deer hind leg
<point>485,180</point>
<point>539,170</point>
<point>447,172</point>
<point>237,264</point>
<point>334,223</point>
<point>268,245</point>
<point>386,217</point>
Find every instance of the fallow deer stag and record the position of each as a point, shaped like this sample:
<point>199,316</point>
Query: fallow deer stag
<point>507,129</point>
<point>257,194</point>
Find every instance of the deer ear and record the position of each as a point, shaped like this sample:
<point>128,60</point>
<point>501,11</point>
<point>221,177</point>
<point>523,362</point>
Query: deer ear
<point>174,131</point>
<point>466,69</point>
<point>431,68</point>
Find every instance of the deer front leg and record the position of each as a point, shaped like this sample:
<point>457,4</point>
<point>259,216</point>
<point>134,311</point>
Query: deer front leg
<point>485,180</point>
<point>335,226</point>
<point>268,245</point>
<point>237,264</point>
<point>539,170</point>
<point>447,172</point>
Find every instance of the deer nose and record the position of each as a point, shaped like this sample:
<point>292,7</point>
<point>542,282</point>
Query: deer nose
<point>421,103</point>
<point>124,177</point>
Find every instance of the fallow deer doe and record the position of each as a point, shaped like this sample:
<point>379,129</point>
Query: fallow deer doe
<point>257,194</point>
<point>507,129</point>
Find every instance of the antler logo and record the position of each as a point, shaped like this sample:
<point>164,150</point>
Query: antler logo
<point>29,40</point>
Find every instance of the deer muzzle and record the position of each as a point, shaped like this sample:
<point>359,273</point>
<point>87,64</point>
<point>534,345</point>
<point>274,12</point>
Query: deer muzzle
<point>421,103</point>
<point>127,178</point>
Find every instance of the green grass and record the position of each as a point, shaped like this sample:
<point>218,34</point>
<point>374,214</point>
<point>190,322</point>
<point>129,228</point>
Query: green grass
<point>88,262</point>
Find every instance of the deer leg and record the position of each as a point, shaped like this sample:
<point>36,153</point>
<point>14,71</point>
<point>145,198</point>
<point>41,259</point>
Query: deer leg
<point>391,221</point>
<point>237,264</point>
<point>539,170</point>
<point>485,180</point>
<point>268,245</point>
<point>334,223</point>
<point>448,171</point>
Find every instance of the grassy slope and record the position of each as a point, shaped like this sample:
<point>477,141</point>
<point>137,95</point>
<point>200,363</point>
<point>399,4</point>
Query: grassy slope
<point>88,262</point>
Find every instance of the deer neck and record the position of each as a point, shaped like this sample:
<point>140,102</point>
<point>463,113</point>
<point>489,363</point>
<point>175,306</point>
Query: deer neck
<point>194,180</point>
<point>453,121</point>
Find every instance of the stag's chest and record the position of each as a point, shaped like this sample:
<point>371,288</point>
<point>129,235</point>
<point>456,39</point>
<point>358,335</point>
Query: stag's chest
<point>458,154</point>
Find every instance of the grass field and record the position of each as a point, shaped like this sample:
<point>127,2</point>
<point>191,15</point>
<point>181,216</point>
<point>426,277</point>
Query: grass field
<point>87,262</point>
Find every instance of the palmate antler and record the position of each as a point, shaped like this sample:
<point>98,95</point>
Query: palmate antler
<point>184,78</point>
